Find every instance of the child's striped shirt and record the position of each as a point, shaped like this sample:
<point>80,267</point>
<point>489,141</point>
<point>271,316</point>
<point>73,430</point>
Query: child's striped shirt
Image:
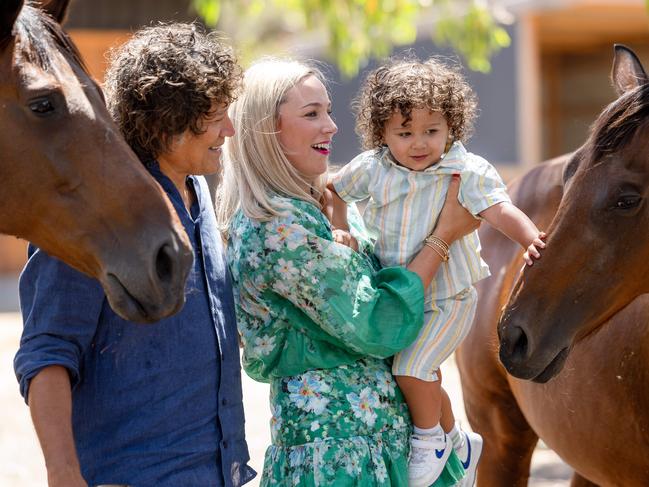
<point>404,206</point>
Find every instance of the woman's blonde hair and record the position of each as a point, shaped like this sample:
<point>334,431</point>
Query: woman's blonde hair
<point>255,167</point>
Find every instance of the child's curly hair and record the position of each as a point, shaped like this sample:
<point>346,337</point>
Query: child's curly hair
<point>164,80</point>
<point>406,84</point>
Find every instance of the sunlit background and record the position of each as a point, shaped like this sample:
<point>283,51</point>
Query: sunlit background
<point>540,69</point>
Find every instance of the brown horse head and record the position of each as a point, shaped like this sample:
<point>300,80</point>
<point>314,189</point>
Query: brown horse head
<point>597,253</point>
<point>68,181</point>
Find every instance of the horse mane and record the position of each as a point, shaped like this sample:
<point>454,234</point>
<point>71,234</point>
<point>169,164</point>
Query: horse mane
<point>617,124</point>
<point>39,34</point>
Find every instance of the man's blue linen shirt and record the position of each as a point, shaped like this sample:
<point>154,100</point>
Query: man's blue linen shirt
<point>153,405</point>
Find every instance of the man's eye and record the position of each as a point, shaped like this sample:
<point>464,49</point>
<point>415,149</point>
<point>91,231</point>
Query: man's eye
<point>404,134</point>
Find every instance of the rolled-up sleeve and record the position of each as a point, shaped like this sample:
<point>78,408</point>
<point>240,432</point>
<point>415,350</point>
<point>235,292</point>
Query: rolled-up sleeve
<point>60,308</point>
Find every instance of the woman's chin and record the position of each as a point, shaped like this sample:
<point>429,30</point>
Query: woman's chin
<point>324,167</point>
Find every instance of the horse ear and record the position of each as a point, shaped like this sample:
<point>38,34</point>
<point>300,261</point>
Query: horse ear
<point>8,15</point>
<point>627,72</point>
<point>57,9</point>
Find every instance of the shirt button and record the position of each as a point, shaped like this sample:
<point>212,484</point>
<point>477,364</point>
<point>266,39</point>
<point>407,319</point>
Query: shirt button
<point>224,402</point>
<point>225,444</point>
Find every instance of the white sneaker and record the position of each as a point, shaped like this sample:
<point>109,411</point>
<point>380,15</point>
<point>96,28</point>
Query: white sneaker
<point>427,459</point>
<point>470,463</point>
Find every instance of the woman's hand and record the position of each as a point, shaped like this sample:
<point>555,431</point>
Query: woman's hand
<point>335,209</point>
<point>454,220</point>
<point>343,237</point>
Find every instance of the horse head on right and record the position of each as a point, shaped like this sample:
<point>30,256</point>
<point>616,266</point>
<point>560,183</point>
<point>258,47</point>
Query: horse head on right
<point>597,256</point>
<point>69,183</point>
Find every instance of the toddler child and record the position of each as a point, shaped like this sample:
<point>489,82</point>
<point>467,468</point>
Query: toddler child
<point>413,117</point>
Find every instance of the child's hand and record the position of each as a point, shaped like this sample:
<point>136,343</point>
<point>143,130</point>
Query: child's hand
<point>345,238</point>
<point>533,249</point>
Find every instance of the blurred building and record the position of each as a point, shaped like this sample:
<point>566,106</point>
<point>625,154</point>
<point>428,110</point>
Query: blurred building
<point>538,101</point>
<point>564,53</point>
<point>98,25</point>
<point>546,89</point>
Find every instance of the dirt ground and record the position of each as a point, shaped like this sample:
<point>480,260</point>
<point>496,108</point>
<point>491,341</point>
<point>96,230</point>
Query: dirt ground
<point>21,463</point>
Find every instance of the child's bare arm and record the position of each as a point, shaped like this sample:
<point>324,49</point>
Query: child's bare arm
<point>516,225</point>
<point>337,214</point>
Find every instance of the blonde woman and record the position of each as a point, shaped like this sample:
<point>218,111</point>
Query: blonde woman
<point>317,318</point>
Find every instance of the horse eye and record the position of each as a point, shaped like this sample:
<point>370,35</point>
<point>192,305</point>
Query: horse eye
<point>627,202</point>
<point>42,106</point>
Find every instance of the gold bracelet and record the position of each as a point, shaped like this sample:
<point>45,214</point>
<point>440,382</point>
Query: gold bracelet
<point>438,245</point>
<point>443,254</point>
<point>434,239</point>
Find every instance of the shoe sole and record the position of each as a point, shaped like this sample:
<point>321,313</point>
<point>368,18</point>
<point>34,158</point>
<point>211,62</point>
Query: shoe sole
<point>427,481</point>
<point>476,452</point>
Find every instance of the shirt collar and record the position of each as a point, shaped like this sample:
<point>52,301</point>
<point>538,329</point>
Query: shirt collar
<point>172,192</point>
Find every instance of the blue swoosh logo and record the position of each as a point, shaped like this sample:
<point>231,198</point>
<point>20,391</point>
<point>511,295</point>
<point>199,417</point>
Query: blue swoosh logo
<point>439,453</point>
<point>468,457</point>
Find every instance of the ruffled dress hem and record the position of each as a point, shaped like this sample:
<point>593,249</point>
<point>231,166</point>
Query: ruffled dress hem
<point>358,461</point>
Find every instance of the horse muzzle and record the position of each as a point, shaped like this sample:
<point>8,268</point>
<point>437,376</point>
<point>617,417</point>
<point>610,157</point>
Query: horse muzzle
<point>525,361</point>
<point>147,297</point>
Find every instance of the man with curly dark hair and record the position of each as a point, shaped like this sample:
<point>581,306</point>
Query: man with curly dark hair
<point>412,117</point>
<point>115,402</point>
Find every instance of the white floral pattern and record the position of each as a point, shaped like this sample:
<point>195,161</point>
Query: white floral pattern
<point>364,405</point>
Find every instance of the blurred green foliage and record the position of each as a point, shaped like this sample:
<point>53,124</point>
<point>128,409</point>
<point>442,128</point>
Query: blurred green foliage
<point>357,30</point>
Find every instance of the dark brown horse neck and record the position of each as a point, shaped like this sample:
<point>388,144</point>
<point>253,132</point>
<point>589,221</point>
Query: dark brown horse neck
<point>68,181</point>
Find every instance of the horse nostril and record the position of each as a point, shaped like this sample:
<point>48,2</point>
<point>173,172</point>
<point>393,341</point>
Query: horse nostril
<point>517,344</point>
<point>519,341</point>
<point>164,263</point>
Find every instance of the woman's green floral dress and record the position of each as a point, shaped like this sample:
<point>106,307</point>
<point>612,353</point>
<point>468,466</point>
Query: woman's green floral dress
<point>317,321</point>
